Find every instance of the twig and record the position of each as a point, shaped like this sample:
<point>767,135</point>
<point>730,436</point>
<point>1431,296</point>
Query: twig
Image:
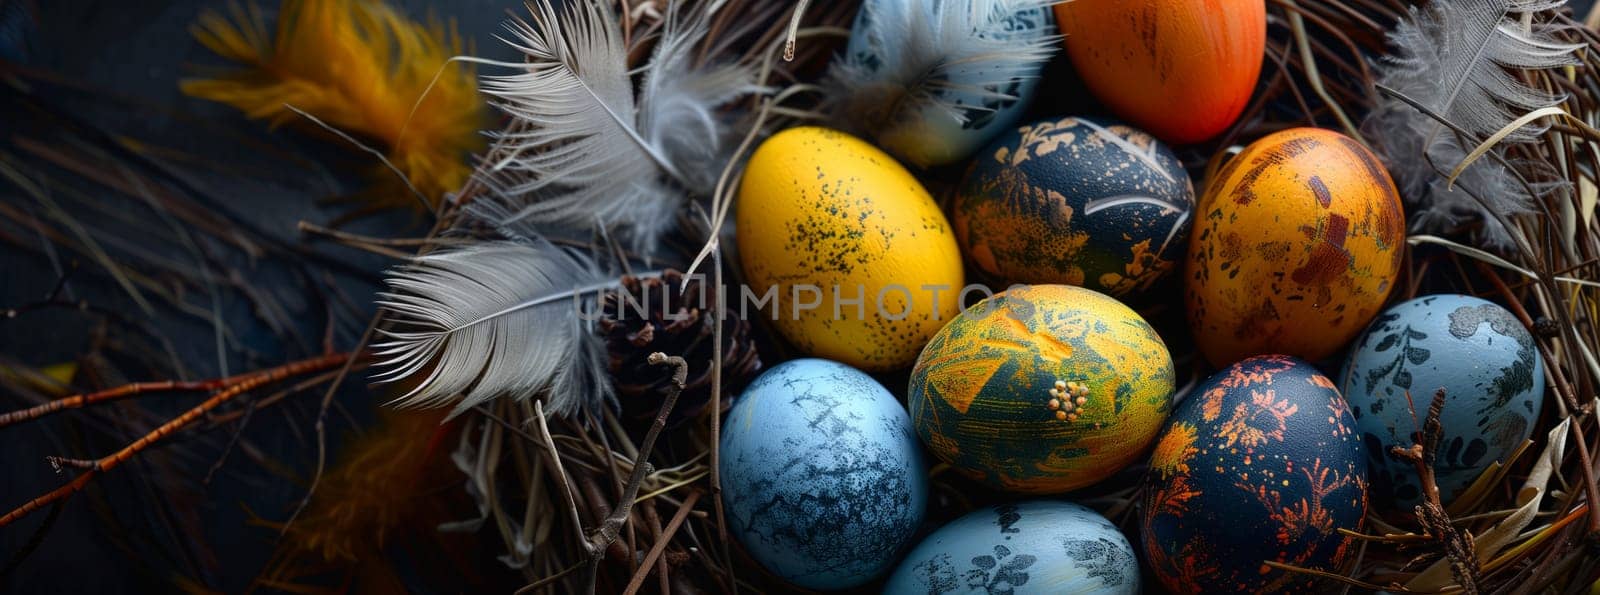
<point>1458,545</point>
<point>661,543</point>
<point>377,246</point>
<point>602,537</point>
<point>534,586</point>
<point>122,456</point>
<point>126,391</point>
<point>561,470</point>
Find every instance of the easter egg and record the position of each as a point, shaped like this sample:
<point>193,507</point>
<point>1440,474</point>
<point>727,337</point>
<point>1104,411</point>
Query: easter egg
<point>822,479</point>
<point>966,108</point>
<point>1041,389</point>
<point>1492,376</point>
<point>1260,463</point>
<point>852,257</point>
<point>1181,69</point>
<point>1036,547</point>
<point>1296,245</point>
<point>1075,201</point>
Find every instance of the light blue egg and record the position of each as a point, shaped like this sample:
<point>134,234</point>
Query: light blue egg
<point>1037,546</point>
<point>822,476</point>
<point>1483,358</point>
<point>936,136</point>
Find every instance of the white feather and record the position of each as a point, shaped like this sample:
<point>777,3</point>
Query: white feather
<point>1457,58</point>
<point>920,49</point>
<point>495,319</point>
<point>582,148</point>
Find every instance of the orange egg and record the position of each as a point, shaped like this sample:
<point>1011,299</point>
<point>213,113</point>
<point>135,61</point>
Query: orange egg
<point>1180,69</point>
<point>1296,247</point>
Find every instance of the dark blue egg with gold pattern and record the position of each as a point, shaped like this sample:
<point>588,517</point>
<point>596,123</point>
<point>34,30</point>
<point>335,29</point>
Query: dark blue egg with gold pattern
<point>1075,201</point>
<point>1261,463</point>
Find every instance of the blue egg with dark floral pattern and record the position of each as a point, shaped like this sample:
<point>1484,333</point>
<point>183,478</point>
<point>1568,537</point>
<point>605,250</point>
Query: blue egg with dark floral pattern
<point>1492,376</point>
<point>822,476</point>
<point>965,112</point>
<point>1034,547</point>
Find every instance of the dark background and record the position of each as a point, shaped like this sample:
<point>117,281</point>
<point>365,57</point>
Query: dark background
<point>114,66</point>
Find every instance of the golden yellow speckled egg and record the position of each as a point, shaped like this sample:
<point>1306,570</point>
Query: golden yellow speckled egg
<point>1296,246</point>
<point>847,251</point>
<point>1042,389</point>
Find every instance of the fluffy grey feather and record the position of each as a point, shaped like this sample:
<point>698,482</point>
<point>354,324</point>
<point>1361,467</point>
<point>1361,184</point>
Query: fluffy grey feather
<point>583,147</point>
<point>495,319</point>
<point>921,48</point>
<point>1457,58</point>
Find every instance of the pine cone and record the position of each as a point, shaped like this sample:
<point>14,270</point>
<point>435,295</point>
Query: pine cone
<point>675,321</point>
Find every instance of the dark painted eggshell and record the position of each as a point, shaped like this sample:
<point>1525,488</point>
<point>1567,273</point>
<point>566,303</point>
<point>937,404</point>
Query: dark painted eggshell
<point>1260,463</point>
<point>1042,389</point>
<point>1037,547</point>
<point>1493,378</point>
<point>1075,201</point>
<point>823,481</point>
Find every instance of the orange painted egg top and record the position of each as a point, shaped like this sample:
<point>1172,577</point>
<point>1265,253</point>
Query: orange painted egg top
<point>1140,57</point>
<point>1295,248</point>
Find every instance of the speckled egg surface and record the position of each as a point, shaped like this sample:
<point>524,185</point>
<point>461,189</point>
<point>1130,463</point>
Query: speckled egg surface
<point>1075,201</point>
<point>1261,462</point>
<point>823,481</point>
<point>1296,245</point>
<point>1036,547</point>
<point>856,249</point>
<point>935,135</point>
<point>1042,389</point>
<point>1486,362</point>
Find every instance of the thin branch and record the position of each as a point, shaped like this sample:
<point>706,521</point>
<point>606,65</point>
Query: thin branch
<point>661,544</point>
<point>1458,545</point>
<point>128,452</point>
<point>602,537</point>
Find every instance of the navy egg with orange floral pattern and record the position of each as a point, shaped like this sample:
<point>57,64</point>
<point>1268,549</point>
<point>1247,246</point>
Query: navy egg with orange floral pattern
<point>1075,201</point>
<point>1260,464</point>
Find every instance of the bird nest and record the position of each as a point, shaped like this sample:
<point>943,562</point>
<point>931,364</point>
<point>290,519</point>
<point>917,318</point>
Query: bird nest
<point>628,499</point>
<point>1525,525</point>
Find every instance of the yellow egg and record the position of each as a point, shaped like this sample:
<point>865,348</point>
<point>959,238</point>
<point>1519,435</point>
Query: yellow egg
<point>1042,389</point>
<point>844,249</point>
<point>1296,245</point>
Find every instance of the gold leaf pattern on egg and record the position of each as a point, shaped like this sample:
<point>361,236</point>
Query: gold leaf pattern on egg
<point>1041,389</point>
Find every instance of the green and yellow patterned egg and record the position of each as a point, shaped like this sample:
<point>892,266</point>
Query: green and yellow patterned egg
<point>1042,389</point>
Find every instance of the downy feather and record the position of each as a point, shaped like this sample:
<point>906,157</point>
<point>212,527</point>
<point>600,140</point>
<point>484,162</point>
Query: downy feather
<point>361,66</point>
<point>922,48</point>
<point>492,319</point>
<point>583,148</point>
<point>1457,58</point>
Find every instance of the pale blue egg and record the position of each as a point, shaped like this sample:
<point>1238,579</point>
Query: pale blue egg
<point>1037,546</point>
<point>1493,378</point>
<point>935,135</point>
<point>822,476</point>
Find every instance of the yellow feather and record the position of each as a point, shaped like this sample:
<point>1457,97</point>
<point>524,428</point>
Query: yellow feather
<point>362,67</point>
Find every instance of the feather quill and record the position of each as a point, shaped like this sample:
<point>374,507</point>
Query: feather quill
<point>924,50</point>
<point>1457,58</point>
<point>493,319</point>
<point>583,146</point>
